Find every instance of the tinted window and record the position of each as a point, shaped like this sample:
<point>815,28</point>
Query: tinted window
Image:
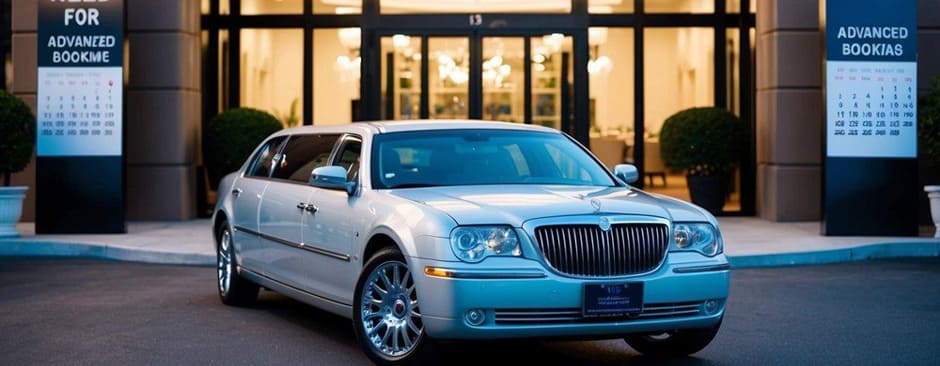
<point>463,157</point>
<point>348,158</point>
<point>302,155</point>
<point>263,160</point>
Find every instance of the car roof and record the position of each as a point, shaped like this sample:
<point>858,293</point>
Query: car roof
<point>380,127</point>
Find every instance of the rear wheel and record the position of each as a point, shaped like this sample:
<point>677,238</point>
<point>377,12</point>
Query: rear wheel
<point>674,343</point>
<point>386,317</point>
<point>233,289</point>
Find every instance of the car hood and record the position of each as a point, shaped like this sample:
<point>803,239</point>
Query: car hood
<point>516,204</point>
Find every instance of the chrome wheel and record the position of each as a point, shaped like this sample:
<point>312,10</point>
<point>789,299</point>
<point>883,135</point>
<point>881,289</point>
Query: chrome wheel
<point>225,262</point>
<point>391,320</point>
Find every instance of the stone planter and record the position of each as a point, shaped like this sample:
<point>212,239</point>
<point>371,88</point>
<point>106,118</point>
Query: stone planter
<point>933,193</point>
<point>709,192</point>
<point>11,207</point>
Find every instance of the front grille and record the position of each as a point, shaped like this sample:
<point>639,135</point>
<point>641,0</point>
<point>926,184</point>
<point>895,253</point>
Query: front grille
<point>573,315</point>
<point>586,250</point>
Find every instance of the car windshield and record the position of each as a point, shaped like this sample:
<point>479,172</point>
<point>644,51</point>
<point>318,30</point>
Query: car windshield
<point>470,157</point>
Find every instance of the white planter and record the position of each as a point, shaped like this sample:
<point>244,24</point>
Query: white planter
<point>933,193</point>
<point>11,206</point>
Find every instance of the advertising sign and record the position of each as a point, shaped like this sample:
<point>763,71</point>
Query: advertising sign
<point>80,78</point>
<point>79,117</point>
<point>870,87</point>
<point>871,79</point>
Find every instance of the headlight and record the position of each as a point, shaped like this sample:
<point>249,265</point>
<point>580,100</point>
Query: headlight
<point>473,243</point>
<point>701,237</point>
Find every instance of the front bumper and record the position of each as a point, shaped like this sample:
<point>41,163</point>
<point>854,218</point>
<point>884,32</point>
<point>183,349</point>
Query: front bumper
<point>521,298</point>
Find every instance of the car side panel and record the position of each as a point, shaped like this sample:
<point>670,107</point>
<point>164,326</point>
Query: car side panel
<point>245,196</point>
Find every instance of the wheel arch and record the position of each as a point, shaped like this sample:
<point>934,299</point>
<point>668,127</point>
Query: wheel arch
<point>377,242</point>
<point>217,222</point>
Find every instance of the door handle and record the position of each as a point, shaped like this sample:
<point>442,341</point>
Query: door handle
<point>308,207</point>
<point>236,192</point>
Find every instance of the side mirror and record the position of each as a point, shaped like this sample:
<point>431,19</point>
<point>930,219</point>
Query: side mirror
<point>627,173</point>
<point>329,177</point>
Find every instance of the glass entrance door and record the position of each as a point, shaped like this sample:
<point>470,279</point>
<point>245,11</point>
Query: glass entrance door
<point>513,78</point>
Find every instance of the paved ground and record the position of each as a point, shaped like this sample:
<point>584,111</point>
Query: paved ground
<point>82,312</point>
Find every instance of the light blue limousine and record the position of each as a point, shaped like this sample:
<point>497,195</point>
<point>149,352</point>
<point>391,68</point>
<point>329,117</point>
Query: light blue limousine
<point>452,230</point>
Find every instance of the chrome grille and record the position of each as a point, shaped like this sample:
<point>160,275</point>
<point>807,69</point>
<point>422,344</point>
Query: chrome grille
<point>586,250</point>
<point>573,315</point>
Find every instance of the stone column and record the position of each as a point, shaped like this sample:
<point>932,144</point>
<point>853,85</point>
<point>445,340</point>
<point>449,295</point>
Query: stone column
<point>163,108</point>
<point>789,115</point>
<point>23,28</point>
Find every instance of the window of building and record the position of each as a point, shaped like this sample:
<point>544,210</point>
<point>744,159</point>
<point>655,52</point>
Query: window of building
<point>271,65</point>
<point>679,6</point>
<point>340,7</point>
<point>610,6</point>
<point>255,7</point>
<point>611,94</point>
<point>336,69</point>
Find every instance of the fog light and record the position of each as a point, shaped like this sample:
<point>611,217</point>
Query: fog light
<point>711,307</point>
<point>475,317</point>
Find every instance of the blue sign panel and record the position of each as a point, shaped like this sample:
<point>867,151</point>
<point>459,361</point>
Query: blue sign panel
<point>871,78</point>
<point>80,78</point>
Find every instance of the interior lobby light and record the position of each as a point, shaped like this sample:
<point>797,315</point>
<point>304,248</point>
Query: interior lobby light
<point>401,42</point>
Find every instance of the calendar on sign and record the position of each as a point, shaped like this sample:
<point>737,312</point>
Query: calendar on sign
<point>79,111</point>
<point>872,109</point>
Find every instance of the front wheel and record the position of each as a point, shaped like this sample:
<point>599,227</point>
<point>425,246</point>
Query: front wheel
<point>386,317</point>
<point>674,343</point>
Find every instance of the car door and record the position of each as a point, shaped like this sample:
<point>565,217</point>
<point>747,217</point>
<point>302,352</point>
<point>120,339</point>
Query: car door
<point>332,230</point>
<point>284,206</point>
<point>247,192</point>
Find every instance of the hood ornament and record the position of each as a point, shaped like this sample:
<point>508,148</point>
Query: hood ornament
<point>596,204</point>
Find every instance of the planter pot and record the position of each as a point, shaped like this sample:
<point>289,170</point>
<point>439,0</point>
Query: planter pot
<point>933,193</point>
<point>11,206</point>
<point>709,192</point>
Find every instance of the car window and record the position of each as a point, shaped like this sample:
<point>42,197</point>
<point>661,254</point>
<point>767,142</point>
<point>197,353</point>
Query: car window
<point>348,158</point>
<point>465,157</point>
<point>262,162</point>
<point>303,154</point>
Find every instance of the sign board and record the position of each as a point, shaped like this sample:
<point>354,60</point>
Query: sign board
<point>870,89</point>
<point>871,79</point>
<point>79,110</point>
<point>80,82</point>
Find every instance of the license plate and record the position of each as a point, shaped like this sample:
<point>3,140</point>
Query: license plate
<point>612,299</point>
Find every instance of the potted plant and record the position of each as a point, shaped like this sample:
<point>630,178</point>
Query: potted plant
<point>928,127</point>
<point>231,136</point>
<point>707,143</point>
<point>17,128</point>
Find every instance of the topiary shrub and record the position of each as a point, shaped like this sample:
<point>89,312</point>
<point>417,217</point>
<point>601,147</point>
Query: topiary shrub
<point>928,122</point>
<point>17,135</point>
<point>231,137</point>
<point>704,141</point>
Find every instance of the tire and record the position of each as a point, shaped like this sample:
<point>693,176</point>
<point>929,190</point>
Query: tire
<point>673,344</point>
<point>386,317</point>
<point>233,288</point>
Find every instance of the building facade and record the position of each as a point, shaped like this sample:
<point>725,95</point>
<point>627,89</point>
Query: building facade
<point>608,72</point>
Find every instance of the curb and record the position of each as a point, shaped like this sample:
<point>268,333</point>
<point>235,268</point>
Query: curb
<point>843,255</point>
<point>30,248</point>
